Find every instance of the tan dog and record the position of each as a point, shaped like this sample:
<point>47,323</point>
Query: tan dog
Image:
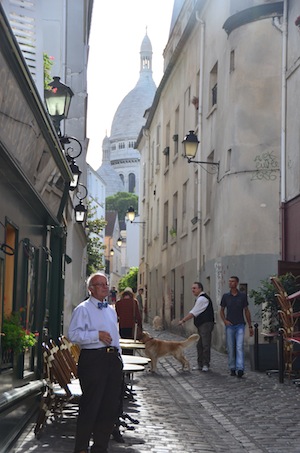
<point>157,323</point>
<point>155,348</point>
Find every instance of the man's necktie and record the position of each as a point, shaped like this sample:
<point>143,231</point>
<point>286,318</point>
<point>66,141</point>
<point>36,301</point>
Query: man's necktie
<point>102,305</point>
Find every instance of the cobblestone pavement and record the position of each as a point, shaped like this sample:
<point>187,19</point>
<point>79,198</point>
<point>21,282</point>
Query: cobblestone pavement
<point>194,412</point>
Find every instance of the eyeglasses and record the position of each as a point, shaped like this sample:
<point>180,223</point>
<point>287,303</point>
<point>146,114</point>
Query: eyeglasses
<point>103,285</point>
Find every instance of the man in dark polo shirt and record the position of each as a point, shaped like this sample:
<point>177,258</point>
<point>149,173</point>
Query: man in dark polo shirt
<point>203,315</point>
<point>236,304</point>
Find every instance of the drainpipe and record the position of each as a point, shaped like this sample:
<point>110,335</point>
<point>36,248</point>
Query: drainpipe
<point>283,127</point>
<point>283,28</point>
<point>200,130</point>
<point>283,104</point>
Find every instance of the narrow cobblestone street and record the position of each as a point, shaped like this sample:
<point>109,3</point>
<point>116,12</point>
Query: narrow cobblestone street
<point>194,412</point>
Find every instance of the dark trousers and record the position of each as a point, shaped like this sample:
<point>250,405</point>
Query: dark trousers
<point>126,332</point>
<point>100,376</point>
<point>204,343</point>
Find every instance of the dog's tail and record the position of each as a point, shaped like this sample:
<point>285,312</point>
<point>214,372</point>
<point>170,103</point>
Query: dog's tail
<point>190,340</point>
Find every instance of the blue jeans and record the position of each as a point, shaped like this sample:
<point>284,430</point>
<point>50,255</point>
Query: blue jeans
<point>235,346</point>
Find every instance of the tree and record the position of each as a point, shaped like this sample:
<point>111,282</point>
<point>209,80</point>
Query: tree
<point>120,202</point>
<point>130,279</point>
<point>95,247</point>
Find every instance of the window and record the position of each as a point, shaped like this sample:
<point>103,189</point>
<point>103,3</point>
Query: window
<point>184,205</point>
<point>175,136</point>
<point>144,179</point>
<point>209,181</point>
<point>158,145</point>
<point>121,145</point>
<point>228,160</point>
<point>197,100</point>
<point>187,111</point>
<point>167,148</point>
<point>181,298</point>
<point>9,269</point>
<point>146,63</point>
<point>131,183</point>
<point>175,214</point>
<point>232,61</point>
<point>157,218</point>
<point>196,194</point>
<point>214,85</point>
<point>122,177</point>
<point>166,226</point>
<point>173,298</point>
<point>131,144</point>
<point>152,163</point>
<point>187,97</point>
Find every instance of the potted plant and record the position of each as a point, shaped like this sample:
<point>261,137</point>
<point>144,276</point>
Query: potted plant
<point>265,298</point>
<point>16,339</point>
<point>173,232</point>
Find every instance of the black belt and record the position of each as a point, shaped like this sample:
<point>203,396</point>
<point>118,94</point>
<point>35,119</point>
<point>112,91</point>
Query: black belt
<point>106,349</point>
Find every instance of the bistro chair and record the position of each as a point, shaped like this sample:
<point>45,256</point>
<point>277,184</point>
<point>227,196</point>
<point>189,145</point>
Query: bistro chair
<point>289,322</point>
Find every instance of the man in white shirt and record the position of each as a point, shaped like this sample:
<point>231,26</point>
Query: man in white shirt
<point>94,326</point>
<point>203,315</point>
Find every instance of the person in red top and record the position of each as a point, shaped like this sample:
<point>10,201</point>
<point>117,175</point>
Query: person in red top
<point>128,314</point>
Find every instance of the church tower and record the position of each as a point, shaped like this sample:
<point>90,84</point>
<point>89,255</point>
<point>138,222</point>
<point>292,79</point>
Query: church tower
<point>127,123</point>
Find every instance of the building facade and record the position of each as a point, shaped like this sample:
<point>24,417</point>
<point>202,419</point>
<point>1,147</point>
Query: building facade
<point>42,248</point>
<point>208,221</point>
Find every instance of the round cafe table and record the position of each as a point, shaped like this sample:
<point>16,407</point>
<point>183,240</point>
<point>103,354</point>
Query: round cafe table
<point>133,346</point>
<point>135,360</point>
<point>129,340</point>
<point>132,368</point>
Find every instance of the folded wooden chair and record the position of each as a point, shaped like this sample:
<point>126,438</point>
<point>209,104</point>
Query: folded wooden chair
<point>68,357</point>
<point>72,347</point>
<point>289,318</point>
<point>61,387</point>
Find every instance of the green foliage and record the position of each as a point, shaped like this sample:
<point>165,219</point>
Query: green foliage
<point>265,295</point>
<point>15,337</point>
<point>95,248</point>
<point>120,202</point>
<point>130,279</point>
<point>48,63</point>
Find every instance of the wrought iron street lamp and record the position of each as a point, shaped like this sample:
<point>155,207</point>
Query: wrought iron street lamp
<point>58,99</point>
<point>190,146</point>
<point>131,215</point>
<point>81,209</point>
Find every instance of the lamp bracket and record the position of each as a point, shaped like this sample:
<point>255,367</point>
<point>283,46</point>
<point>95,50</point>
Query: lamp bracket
<point>70,151</point>
<point>202,162</point>
<point>82,192</point>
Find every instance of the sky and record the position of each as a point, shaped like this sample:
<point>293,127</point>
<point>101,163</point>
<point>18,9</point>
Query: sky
<point>117,32</point>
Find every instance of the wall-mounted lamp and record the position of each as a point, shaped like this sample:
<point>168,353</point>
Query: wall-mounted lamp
<point>119,241</point>
<point>70,144</point>
<point>190,145</point>
<point>80,209</point>
<point>58,100</point>
<point>112,252</point>
<point>131,215</point>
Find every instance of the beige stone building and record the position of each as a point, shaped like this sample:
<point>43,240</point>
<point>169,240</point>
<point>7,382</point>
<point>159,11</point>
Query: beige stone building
<point>223,80</point>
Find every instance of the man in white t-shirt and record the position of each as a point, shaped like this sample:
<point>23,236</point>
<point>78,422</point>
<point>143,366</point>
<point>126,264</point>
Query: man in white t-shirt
<point>203,315</point>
